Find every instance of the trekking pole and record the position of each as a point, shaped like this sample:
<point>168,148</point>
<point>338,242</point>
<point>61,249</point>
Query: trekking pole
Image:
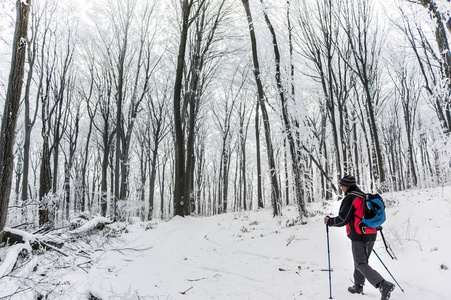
<point>328,257</point>
<point>388,270</point>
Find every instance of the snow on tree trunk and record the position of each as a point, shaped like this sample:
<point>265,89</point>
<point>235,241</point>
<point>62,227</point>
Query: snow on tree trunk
<point>10,113</point>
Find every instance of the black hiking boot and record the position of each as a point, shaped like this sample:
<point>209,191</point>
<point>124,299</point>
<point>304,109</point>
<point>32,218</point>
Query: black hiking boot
<point>356,289</point>
<point>386,288</point>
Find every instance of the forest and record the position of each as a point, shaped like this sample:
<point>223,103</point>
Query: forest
<point>142,109</point>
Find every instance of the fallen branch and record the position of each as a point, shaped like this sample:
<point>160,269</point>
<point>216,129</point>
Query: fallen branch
<point>48,246</point>
<point>16,254</point>
<point>97,223</point>
<point>184,292</point>
<point>15,236</point>
<point>199,279</point>
<point>290,239</point>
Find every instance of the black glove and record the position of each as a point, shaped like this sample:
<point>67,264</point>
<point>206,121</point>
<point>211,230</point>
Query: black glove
<point>362,227</point>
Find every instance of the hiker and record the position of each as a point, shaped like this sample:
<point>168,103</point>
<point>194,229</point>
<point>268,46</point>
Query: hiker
<point>351,214</point>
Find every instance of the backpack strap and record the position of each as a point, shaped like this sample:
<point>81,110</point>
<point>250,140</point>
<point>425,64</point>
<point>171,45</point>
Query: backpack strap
<point>359,195</point>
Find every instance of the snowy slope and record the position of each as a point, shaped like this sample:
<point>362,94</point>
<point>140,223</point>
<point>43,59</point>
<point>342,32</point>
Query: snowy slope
<point>251,255</point>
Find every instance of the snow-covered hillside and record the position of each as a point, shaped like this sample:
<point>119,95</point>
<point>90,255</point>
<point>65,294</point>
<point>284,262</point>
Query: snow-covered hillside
<point>247,255</point>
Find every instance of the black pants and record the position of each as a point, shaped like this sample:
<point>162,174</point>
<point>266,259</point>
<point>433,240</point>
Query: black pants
<point>361,252</point>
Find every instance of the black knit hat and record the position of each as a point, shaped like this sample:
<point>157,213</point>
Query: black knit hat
<point>348,180</point>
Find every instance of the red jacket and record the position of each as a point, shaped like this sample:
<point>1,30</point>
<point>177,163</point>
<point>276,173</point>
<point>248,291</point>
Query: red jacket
<point>351,214</point>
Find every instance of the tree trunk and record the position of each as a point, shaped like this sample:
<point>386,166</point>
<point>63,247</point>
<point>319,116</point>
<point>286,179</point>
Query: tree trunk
<point>275,192</point>
<point>152,177</point>
<point>287,123</point>
<point>28,123</point>
<point>444,113</point>
<point>12,103</point>
<point>45,184</point>
<point>84,184</point>
<point>366,52</point>
<point>69,160</point>
<point>260,203</point>
<point>179,179</point>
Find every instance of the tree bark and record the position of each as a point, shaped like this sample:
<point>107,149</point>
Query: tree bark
<point>12,103</point>
<point>366,51</point>
<point>179,179</point>
<point>275,191</point>
<point>445,63</point>
<point>287,123</point>
<point>28,122</point>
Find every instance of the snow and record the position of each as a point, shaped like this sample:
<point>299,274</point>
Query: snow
<point>25,235</point>
<point>91,224</point>
<point>251,255</point>
<point>10,260</point>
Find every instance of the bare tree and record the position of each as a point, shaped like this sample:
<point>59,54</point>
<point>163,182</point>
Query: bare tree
<point>141,133</point>
<point>153,130</point>
<point>288,128</point>
<point>275,191</point>
<point>36,43</point>
<point>86,92</point>
<point>244,118</point>
<point>55,99</point>
<point>47,110</point>
<point>365,45</point>
<point>393,142</point>
<point>326,55</point>
<point>130,63</point>
<point>179,180</point>
<point>71,137</point>
<point>10,112</point>
<point>193,75</point>
<point>62,94</point>
<point>223,115</point>
<point>437,85</point>
<point>100,110</point>
<point>104,87</point>
<point>409,91</point>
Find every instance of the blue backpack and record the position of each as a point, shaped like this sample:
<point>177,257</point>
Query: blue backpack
<point>374,211</point>
<point>374,216</point>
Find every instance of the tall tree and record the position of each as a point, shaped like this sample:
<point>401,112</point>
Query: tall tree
<point>71,134</point>
<point>47,110</point>
<point>104,91</point>
<point>62,94</point>
<point>365,44</point>
<point>288,128</point>
<point>223,115</point>
<point>86,93</point>
<point>441,92</point>
<point>408,90</point>
<point>275,191</point>
<point>244,118</point>
<point>36,43</point>
<point>179,179</point>
<point>10,112</point>
<point>197,71</point>
<point>321,46</point>
<point>123,14</point>
<point>156,129</point>
<point>127,49</point>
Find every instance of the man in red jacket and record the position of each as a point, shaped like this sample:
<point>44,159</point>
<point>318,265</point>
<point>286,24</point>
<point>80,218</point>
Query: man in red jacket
<point>350,215</point>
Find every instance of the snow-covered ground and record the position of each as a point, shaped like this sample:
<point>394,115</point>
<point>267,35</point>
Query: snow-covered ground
<point>247,255</point>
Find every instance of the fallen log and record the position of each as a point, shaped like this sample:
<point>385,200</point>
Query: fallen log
<point>97,223</point>
<point>11,237</point>
<point>16,255</point>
